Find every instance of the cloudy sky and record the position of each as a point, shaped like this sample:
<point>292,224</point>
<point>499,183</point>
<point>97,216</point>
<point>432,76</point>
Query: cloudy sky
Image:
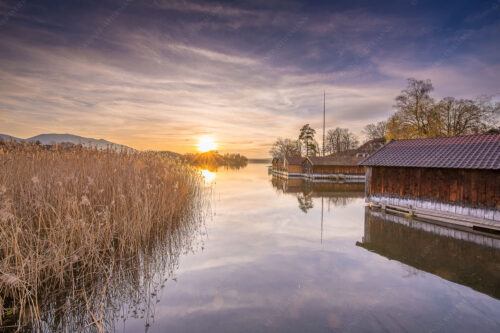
<point>159,74</point>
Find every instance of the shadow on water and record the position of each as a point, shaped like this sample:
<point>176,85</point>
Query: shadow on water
<point>467,258</point>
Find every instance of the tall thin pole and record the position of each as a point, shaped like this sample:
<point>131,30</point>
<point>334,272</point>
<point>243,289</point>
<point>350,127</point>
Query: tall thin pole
<point>321,220</point>
<point>324,112</point>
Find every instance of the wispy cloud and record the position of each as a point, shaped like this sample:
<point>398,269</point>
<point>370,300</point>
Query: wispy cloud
<point>160,75</point>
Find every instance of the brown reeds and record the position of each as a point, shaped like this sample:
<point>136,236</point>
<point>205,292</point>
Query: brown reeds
<point>80,225</point>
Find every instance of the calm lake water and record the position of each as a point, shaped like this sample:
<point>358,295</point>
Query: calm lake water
<point>290,257</point>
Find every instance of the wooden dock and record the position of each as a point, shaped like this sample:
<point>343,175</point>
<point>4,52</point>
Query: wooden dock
<point>441,217</point>
<point>320,177</point>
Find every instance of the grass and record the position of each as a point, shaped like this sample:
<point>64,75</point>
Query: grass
<point>80,228</point>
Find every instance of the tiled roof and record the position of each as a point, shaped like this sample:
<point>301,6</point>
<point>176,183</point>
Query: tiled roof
<point>460,152</point>
<point>335,160</point>
<point>294,160</point>
<point>371,146</point>
<point>368,148</point>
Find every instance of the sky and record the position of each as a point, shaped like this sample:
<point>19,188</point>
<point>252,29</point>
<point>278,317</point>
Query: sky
<point>160,74</point>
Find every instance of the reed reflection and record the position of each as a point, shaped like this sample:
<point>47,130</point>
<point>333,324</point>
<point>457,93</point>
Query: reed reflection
<point>465,257</point>
<point>127,287</point>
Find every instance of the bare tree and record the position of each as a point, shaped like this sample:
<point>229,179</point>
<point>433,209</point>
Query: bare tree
<point>465,116</point>
<point>339,140</point>
<point>285,147</point>
<point>375,131</point>
<point>458,117</point>
<point>448,117</point>
<point>416,111</point>
<point>418,116</point>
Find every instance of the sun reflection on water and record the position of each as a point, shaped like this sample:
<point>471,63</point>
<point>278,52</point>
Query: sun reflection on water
<point>208,175</point>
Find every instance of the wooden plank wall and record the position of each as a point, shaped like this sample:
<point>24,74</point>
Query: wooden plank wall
<point>458,186</point>
<point>368,178</point>
<point>338,188</point>
<point>294,168</point>
<point>339,169</point>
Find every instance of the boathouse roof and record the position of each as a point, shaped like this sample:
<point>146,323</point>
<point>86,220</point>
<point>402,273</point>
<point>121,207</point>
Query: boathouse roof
<point>335,160</point>
<point>366,149</point>
<point>480,151</point>
<point>294,160</point>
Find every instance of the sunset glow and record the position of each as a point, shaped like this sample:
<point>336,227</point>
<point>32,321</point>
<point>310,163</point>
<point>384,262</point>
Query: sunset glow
<point>158,75</point>
<point>206,143</point>
<point>215,165</point>
<point>209,176</point>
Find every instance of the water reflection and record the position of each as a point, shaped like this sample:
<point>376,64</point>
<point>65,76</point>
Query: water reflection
<point>208,176</point>
<point>336,194</point>
<point>263,268</point>
<point>469,258</point>
<point>129,287</point>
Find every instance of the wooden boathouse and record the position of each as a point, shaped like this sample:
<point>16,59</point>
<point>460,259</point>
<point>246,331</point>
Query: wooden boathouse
<point>334,167</point>
<point>293,165</point>
<point>277,163</point>
<point>289,166</point>
<point>453,179</point>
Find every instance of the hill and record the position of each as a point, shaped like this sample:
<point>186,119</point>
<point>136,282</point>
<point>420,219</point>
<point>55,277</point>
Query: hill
<point>10,138</point>
<point>53,138</point>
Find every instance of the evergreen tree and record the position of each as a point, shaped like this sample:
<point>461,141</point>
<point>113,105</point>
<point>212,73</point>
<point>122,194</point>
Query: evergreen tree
<point>306,137</point>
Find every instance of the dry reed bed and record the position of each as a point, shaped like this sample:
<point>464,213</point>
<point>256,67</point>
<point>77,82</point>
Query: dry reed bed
<point>74,219</point>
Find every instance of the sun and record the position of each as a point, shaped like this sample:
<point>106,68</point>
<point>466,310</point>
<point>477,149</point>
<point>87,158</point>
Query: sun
<point>206,143</point>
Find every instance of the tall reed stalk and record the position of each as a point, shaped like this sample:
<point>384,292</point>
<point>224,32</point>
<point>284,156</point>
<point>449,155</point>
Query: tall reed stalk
<point>72,219</point>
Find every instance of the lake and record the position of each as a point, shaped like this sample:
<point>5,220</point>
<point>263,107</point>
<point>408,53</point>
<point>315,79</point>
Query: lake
<point>288,256</point>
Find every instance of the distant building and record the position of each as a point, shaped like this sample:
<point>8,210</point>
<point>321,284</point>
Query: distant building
<point>369,147</point>
<point>334,167</point>
<point>453,176</point>
<point>288,166</point>
<point>340,166</point>
<point>293,165</point>
<point>276,163</point>
<point>365,150</point>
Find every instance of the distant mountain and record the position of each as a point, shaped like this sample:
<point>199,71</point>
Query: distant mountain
<point>8,137</point>
<point>50,139</point>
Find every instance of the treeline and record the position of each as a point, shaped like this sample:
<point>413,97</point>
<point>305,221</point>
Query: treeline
<point>209,160</point>
<point>235,160</point>
<point>212,160</point>
<point>337,140</point>
<point>418,115</point>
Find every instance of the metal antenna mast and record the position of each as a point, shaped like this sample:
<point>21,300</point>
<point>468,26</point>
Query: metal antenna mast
<point>324,112</point>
